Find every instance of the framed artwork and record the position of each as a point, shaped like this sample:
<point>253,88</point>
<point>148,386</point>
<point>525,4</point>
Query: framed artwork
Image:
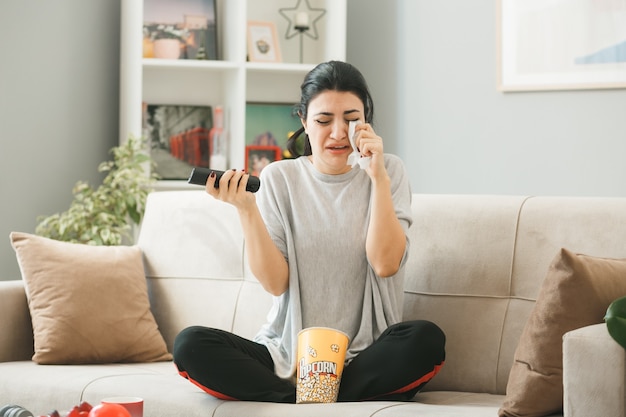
<point>263,43</point>
<point>190,26</point>
<point>179,138</point>
<point>561,45</point>
<point>270,124</point>
<point>258,157</point>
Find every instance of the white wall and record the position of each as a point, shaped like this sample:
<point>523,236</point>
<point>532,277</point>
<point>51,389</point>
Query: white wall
<point>59,78</point>
<point>373,47</point>
<point>455,131</point>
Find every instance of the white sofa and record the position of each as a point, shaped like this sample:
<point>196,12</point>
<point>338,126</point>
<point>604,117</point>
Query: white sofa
<point>475,268</point>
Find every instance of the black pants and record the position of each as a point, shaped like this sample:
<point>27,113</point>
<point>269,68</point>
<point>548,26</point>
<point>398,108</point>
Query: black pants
<point>395,367</point>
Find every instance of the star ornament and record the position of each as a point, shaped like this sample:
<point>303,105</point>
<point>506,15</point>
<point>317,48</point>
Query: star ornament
<point>290,14</point>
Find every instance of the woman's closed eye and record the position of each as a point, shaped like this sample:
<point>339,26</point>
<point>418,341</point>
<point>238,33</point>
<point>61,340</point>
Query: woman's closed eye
<point>326,122</point>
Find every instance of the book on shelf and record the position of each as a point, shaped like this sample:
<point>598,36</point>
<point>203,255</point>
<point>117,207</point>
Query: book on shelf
<point>180,30</point>
<point>218,138</point>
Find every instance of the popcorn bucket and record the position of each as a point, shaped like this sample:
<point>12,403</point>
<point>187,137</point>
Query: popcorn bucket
<point>321,355</point>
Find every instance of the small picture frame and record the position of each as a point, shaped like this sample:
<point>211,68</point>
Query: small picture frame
<point>263,43</point>
<point>193,23</point>
<point>258,157</point>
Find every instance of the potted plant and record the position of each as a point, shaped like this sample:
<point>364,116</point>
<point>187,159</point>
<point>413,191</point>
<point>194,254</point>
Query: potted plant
<point>167,40</point>
<point>103,216</point>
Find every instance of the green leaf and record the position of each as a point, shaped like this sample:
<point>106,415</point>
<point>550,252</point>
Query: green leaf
<point>615,319</point>
<point>134,215</point>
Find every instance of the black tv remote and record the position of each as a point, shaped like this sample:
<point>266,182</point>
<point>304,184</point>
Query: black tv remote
<point>199,176</point>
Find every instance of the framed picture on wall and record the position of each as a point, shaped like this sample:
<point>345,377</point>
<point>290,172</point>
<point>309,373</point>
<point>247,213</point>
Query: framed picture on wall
<point>561,45</point>
<point>270,124</point>
<point>263,45</point>
<point>179,138</point>
<point>180,30</point>
<point>258,157</point>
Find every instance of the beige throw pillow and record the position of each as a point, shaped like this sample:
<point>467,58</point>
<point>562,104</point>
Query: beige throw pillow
<point>576,292</point>
<point>88,304</point>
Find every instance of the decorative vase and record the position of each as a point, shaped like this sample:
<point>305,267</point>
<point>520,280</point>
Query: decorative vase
<point>148,48</point>
<point>166,48</point>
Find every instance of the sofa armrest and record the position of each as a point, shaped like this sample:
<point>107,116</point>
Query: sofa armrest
<point>593,373</point>
<point>16,331</point>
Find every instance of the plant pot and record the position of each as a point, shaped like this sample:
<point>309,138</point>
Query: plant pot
<point>148,48</point>
<point>166,48</point>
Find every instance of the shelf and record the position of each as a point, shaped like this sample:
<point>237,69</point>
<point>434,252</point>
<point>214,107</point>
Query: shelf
<point>279,67</point>
<point>190,64</point>
<point>231,82</point>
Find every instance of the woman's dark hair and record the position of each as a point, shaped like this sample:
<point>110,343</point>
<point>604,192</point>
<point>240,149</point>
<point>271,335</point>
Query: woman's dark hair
<point>329,76</point>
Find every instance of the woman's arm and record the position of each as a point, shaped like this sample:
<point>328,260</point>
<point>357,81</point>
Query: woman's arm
<point>386,241</point>
<point>266,262</point>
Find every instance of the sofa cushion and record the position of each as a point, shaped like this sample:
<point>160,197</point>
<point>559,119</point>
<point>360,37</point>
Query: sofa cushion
<point>576,292</point>
<point>88,304</point>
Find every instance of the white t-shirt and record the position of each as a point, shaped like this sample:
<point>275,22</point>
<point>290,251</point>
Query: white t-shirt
<point>319,222</point>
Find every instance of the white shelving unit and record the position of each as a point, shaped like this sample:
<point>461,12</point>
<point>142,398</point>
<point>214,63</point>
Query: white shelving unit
<point>231,81</point>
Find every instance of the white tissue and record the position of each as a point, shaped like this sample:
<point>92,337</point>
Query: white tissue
<point>355,157</point>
